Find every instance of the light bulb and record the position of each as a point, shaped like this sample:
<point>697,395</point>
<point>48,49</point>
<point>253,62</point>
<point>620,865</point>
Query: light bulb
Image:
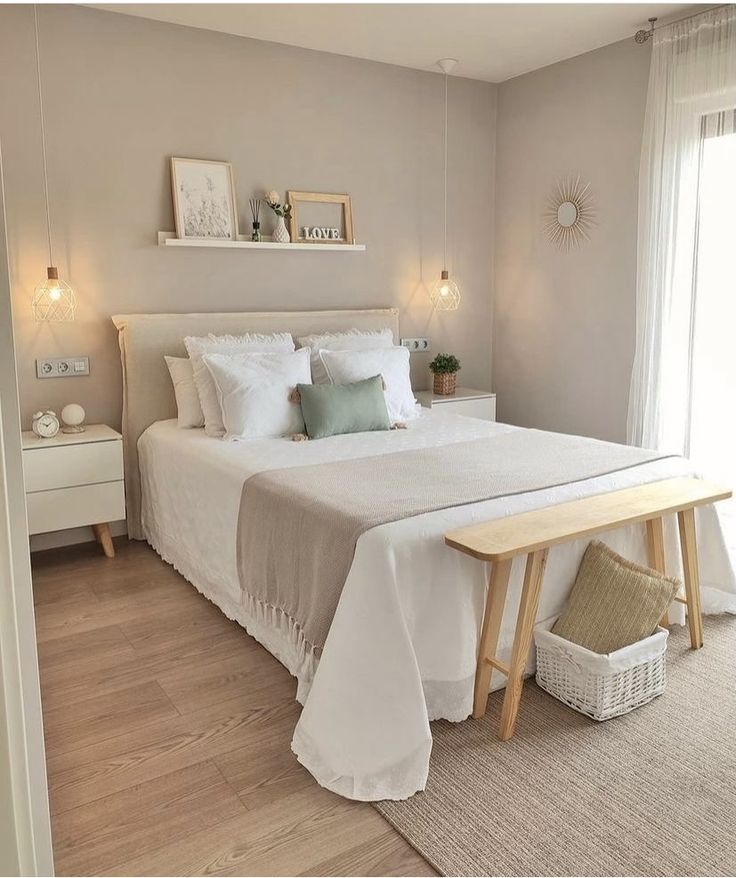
<point>445,294</point>
<point>53,299</point>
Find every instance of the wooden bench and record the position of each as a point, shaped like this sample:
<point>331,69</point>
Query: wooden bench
<point>533,533</point>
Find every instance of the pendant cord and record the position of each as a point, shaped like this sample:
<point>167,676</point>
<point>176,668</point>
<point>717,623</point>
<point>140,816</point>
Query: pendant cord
<point>445,177</point>
<point>43,135</point>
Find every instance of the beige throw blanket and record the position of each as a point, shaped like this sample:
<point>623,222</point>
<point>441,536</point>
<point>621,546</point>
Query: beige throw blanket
<point>298,526</point>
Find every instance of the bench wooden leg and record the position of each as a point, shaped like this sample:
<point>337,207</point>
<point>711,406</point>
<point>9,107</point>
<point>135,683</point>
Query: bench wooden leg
<point>655,554</point>
<point>535,564</point>
<point>498,584</point>
<point>688,546</point>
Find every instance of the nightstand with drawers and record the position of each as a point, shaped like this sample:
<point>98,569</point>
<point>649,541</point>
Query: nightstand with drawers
<point>75,479</point>
<point>464,401</point>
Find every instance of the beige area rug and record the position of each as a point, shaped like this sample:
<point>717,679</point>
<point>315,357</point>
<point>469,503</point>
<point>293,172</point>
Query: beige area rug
<point>649,793</point>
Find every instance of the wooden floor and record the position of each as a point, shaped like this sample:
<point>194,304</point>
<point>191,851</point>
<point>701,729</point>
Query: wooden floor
<point>167,736</point>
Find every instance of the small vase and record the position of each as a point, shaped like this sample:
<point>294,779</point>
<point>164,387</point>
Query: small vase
<point>444,384</point>
<point>281,233</point>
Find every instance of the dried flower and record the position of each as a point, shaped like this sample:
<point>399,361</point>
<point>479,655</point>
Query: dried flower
<point>272,197</point>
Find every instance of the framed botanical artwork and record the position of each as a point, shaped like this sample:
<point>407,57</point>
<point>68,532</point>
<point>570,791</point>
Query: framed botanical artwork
<point>319,226</point>
<point>204,199</point>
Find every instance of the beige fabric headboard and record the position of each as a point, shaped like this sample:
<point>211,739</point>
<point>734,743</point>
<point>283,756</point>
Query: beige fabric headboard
<point>148,394</point>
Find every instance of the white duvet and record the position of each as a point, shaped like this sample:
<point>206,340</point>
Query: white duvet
<point>401,650</point>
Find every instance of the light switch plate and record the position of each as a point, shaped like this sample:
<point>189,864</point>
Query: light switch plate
<point>62,367</point>
<point>416,345</point>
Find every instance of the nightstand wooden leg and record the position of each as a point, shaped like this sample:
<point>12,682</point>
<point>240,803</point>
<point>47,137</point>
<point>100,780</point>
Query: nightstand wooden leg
<point>104,538</point>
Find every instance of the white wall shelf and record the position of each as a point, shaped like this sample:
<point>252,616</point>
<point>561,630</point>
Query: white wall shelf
<point>169,239</point>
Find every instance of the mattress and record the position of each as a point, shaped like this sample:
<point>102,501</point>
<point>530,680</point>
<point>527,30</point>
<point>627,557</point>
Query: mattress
<point>401,649</point>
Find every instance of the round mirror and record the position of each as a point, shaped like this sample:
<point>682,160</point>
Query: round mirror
<point>567,214</point>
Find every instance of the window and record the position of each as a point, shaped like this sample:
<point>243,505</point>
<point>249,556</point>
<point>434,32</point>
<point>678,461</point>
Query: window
<point>713,412</point>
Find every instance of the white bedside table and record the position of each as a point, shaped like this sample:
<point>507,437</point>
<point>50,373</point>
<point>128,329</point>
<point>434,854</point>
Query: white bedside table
<point>73,480</point>
<point>473,403</point>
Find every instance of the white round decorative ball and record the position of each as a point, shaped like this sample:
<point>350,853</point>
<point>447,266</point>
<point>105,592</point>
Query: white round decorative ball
<point>72,414</point>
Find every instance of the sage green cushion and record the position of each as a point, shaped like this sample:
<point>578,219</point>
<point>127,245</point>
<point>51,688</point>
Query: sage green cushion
<point>613,602</point>
<point>331,409</point>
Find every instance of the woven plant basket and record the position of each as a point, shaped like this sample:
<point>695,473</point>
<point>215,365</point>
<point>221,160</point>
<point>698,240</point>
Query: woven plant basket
<point>445,383</point>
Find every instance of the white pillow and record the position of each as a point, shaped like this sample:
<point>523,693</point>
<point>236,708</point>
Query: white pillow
<point>188,409</point>
<point>226,344</point>
<point>352,340</point>
<point>344,367</point>
<point>253,392</point>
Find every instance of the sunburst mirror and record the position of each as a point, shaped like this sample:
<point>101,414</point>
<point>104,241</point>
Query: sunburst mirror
<point>569,215</point>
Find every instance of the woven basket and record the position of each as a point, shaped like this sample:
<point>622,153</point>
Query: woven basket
<point>444,384</point>
<point>601,686</point>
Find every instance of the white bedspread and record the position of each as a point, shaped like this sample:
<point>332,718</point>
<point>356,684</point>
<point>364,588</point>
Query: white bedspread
<point>401,650</point>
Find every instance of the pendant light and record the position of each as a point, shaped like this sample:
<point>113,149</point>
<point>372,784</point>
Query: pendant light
<point>445,294</point>
<point>53,299</point>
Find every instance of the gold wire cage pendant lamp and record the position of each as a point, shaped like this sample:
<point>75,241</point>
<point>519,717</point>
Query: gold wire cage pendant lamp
<point>53,298</point>
<point>445,293</point>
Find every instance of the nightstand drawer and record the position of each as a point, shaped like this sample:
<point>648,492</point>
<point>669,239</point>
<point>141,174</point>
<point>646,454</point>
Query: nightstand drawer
<point>74,507</point>
<point>66,466</point>
<point>483,407</point>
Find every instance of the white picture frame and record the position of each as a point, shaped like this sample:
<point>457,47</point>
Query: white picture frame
<point>204,199</point>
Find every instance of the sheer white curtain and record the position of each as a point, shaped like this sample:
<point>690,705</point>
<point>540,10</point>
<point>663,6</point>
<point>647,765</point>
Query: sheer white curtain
<point>692,80</point>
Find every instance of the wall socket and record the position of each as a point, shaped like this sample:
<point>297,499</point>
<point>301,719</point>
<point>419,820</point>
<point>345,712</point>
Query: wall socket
<point>62,367</point>
<point>416,345</point>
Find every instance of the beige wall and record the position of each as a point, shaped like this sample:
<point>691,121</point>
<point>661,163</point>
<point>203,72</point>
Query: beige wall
<point>123,94</point>
<point>564,322</point>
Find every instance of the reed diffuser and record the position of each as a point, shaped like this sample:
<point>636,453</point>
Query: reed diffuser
<point>255,209</point>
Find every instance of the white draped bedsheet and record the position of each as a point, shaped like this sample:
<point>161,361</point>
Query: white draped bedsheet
<point>401,649</point>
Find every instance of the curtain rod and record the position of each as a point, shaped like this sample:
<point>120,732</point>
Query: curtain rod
<point>641,36</point>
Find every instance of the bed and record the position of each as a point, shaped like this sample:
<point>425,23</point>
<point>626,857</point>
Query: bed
<point>401,649</point>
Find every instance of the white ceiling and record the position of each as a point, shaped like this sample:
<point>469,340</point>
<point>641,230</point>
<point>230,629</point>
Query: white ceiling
<point>493,42</point>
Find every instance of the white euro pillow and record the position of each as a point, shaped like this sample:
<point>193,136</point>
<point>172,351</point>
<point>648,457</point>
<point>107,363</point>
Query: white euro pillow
<point>188,409</point>
<point>253,391</point>
<point>251,342</point>
<point>352,340</point>
<point>392,364</point>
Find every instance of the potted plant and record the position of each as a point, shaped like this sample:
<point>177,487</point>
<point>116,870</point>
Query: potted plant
<point>445,367</point>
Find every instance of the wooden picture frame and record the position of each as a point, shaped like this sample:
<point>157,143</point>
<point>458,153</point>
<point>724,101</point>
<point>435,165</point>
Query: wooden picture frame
<point>204,203</point>
<point>293,198</point>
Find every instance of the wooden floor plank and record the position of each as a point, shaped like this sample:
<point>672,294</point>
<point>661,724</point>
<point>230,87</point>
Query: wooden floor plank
<point>101,717</point>
<point>168,735</point>
<point>74,681</point>
<point>386,854</point>
<point>288,836</point>
<point>144,818</point>
<point>107,645</point>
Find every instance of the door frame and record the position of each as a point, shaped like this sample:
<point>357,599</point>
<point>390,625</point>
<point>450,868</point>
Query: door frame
<point>24,793</point>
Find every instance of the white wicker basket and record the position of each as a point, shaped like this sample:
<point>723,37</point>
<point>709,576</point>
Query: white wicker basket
<point>601,686</point>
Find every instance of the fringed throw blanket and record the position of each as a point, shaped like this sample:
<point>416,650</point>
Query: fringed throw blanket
<point>298,526</point>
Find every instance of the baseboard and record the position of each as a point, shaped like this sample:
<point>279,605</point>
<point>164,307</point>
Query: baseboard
<point>57,538</point>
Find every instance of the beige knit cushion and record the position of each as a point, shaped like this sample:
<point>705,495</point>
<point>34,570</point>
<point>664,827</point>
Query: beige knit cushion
<point>614,602</point>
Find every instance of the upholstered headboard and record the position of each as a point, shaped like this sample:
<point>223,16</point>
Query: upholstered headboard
<point>148,394</point>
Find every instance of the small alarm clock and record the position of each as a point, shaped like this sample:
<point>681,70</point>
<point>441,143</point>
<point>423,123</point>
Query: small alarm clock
<point>45,425</point>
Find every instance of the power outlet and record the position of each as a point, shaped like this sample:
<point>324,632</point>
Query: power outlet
<point>416,345</point>
<point>62,367</point>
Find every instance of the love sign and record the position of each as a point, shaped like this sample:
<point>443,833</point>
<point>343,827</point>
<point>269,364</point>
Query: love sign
<point>321,232</point>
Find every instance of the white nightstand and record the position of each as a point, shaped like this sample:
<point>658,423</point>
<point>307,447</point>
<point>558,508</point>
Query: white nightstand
<point>473,403</point>
<point>73,480</point>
